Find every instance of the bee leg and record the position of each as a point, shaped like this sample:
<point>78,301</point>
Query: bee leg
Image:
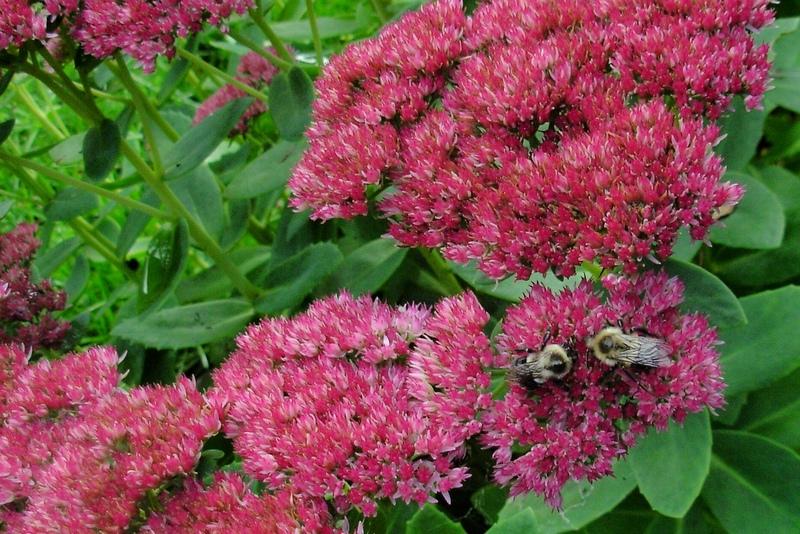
<point>630,380</point>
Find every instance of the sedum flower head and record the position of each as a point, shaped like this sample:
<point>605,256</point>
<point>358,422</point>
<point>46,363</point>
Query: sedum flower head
<point>576,427</point>
<point>254,71</point>
<point>536,135</point>
<point>122,446</point>
<point>228,505</point>
<point>354,401</point>
<point>26,306</point>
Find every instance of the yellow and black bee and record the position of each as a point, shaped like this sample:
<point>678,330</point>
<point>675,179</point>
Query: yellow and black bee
<point>535,368</point>
<point>612,347</point>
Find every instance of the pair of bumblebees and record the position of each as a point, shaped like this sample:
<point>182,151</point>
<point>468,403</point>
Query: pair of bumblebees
<point>611,346</point>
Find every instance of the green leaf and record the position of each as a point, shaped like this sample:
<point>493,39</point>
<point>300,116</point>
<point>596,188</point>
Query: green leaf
<point>489,500</point>
<point>290,97</point>
<point>367,268</point>
<point>5,80</point>
<point>692,523</point>
<point>757,222</point>
<point>5,129</point>
<point>768,348</point>
<point>213,283</point>
<point>289,282</point>
<point>298,30</point>
<point>743,129</point>
<point>47,262</point>
<point>705,293</point>
<point>77,278</point>
<point>785,185</point>
<point>583,502</point>
<point>199,142</point>
<point>70,203</point>
<point>101,149</point>
<point>754,484</point>
<point>166,259</point>
<point>187,326</point>
<point>269,172</point>
<point>730,413</point>
<point>68,151</point>
<point>767,267</point>
<point>523,521</point>
<point>685,248</point>
<point>510,289</point>
<point>430,519</point>
<point>391,518</point>
<point>5,207</point>
<point>774,412</point>
<point>199,192</point>
<point>671,466</point>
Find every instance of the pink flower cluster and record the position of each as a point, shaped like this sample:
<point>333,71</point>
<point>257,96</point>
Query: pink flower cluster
<point>77,453</point>
<point>25,306</point>
<point>536,135</point>
<point>143,29</point>
<point>354,401</point>
<point>228,505</point>
<point>254,71</point>
<point>576,427</point>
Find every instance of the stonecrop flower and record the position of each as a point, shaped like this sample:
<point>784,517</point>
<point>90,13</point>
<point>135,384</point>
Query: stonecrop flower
<point>39,404</point>
<point>536,135</point>
<point>25,306</point>
<point>354,401</point>
<point>574,428</point>
<point>254,71</point>
<point>143,29</point>
<point>228,505</point>
<point>120,446</point>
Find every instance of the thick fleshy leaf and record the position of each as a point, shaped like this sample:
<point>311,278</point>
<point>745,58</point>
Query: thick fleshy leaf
<point>583,502</point>
<point>523,521</point>
<point>289,282</point>
<point>199,142</point>
<point>692,523</point>
<point>510,289</point>
<point>166,259</point>
<point>754,484</point>
<point>5,129</point>
<point>187,326</point>
<point>707,294</point>
<point>743,130</point>
<point>391,518</point>
<point>269,172</point>
<point>768,347</point>
<point>101,149</point>
<point>671,466</point>
<point>774,412</point>
<point>367,268</point>
<point>78,278</point>
<point>5,207</point>
<point>430,519</point>
<point>213,283</point>
<point>489,500</point>
<point>199,192</point>
<point>290,97</point>
<point>70,203</point>
<point>48,261</point>
<point>758,222</point>
<point>298,30</point>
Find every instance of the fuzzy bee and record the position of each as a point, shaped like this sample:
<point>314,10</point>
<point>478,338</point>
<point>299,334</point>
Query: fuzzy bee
<point>612,346</point>
<point>536,368</point>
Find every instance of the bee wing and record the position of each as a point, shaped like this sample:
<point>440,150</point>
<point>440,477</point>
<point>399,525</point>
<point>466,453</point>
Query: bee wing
<point>644,350</point>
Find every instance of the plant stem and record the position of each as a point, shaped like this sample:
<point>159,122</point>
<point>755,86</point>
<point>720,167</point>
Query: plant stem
<point>270,34</point>
<point>312,21</point>
<point>441,270</point>
<point>380,10</point>
<point>26,99</point>
<point>258,49</point>
<point>207,67</point>
<point>85,186</point>
<point>79,225</point>
<point>196,229</point>
<point>146,105</point>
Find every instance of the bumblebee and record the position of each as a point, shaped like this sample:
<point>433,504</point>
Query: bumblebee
<point>536,368</point>
<point>612,346</point>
